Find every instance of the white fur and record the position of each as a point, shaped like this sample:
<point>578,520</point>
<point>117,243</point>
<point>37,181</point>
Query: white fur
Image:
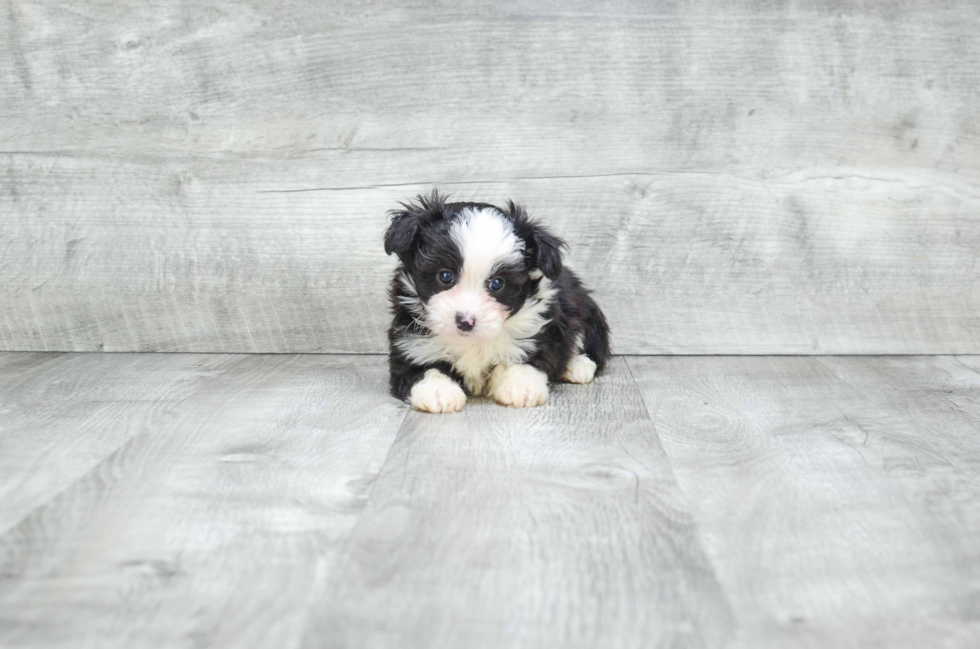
<point>412,302</point>
<point>474,358</point>
<point>486,240</point>
<point>518,386</point>
<point>437,393</point>
<point>581,369</point>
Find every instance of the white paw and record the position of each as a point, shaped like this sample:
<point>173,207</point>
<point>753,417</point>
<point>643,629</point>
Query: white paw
<point>581,369</point>
<point>437,393</point>
<point>519,386</point>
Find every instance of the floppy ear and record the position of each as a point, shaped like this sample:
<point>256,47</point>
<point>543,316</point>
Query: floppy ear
<point>406,222</point>
<point>548,251</point>
<point>544,249</point>
<point>402,231</point>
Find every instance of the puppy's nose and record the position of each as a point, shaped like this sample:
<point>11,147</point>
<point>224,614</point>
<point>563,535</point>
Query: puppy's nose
<point>465,322</point>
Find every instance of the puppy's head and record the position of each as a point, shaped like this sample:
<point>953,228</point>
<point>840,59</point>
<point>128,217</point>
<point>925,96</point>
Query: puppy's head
<point>472,265</point>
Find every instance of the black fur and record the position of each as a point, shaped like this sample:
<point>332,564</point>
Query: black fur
<point>419,235</point>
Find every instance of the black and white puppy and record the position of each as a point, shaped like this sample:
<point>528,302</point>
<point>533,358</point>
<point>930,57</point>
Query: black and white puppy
<point>481,302</point>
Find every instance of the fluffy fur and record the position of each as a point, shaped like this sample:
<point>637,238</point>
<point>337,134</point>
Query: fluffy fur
<point>482,302</point>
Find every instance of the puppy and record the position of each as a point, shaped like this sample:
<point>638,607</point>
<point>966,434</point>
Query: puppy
<point>483,306</point>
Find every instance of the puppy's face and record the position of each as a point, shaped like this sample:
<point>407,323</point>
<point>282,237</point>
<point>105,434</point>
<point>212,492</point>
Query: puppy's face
<point>470,273</point>
<point>469,266</point>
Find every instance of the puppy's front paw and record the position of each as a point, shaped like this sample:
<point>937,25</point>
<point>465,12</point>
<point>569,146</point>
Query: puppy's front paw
<point>581,369</point>
<point>519,386</point>
<point>437,393</point>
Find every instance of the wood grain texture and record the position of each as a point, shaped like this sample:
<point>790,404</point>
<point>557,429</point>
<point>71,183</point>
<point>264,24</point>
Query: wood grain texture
<point>209,528</point>
<point>558,526</point>
<point>16,367</point>
<point>837,498</point>
<point>798,178</point>
<point>61,415</point>
<point>266,501</point>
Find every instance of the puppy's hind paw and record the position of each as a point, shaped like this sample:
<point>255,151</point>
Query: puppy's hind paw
<point>581,369</point>
<point>437,393</point>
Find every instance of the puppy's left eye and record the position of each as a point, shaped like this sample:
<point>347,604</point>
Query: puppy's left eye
<point>496,284</point>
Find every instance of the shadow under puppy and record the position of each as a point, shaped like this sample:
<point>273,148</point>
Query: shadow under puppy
<point>481,301</point>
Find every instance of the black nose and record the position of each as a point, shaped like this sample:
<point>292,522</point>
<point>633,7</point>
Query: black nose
<point>465,322</point>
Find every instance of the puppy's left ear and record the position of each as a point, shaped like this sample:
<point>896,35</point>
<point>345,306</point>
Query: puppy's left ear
<point>548,251</point>
<point>543,248</point>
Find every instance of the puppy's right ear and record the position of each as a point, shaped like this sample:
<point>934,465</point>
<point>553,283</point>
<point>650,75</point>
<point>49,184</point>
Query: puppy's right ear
<point>405,224</point>
<point>401,234</point>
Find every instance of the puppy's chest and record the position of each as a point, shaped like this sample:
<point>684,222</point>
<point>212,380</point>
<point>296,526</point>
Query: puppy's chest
<point>476,362</point>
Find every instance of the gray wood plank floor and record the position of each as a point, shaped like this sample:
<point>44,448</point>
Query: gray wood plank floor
<point>556,526</point>
<point>838,498</point>
<point>155,500</point>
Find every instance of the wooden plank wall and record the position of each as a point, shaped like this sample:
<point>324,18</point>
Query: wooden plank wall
<point>758,177</point>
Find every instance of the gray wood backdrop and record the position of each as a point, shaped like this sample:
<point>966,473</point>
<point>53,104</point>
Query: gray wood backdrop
<point>755,177</point>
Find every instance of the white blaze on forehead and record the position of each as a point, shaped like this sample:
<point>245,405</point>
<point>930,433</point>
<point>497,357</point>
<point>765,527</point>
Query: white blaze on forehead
<point>486,240</point>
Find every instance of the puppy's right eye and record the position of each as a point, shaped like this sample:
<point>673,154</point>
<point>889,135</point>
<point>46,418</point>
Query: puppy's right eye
<point>446,277</point>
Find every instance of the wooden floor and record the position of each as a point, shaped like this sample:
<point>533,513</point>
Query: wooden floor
<point>181,500</point>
